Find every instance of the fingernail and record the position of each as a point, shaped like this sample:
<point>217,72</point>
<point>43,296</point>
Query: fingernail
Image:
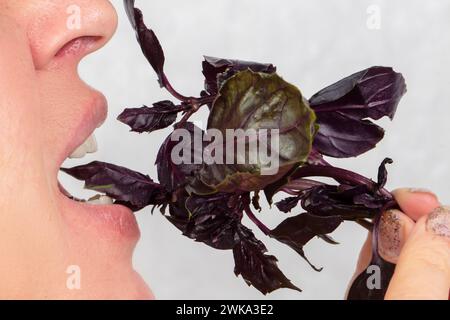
<point>423,191</point>
<point>390,236</point>
<point>438,221</point>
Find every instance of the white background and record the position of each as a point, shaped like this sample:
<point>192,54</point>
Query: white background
<point>313,44</point>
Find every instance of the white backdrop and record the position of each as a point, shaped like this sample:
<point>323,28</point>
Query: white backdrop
<point>313,44</point>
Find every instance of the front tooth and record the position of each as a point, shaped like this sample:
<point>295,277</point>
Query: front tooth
<point>100,200</point>
<point>89,146</point>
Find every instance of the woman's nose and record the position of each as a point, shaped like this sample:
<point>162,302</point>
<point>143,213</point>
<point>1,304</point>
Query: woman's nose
<point>72,28</point>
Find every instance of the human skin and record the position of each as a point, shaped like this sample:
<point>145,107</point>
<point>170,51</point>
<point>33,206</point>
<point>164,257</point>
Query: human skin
<point>417,239</point>
<point>46,111</point>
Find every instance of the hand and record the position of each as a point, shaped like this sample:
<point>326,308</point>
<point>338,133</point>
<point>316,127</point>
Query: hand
<point>417,240</point>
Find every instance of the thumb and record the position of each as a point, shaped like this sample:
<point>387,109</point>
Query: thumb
<point>423,269</point>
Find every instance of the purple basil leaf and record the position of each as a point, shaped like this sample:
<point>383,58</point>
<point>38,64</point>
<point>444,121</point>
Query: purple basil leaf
<point>273,188</point>
<point>343,110</point>
<point>145,119</point>
<point>372,93</point>
<point>382,172</point>
<point>216,221</point>
<point>328,200</point>
<point>286,205</point>
<point>316,158</point>
<point>213,220</point>
<point>328,239</point>
<point>255,201</point>
<point>297,231</point>
<point>356,197</point>
<point>147,40</point>
<point>217,70</point>
<point>171,175</point>
<point>129,9</point>
<point>270,103</point>
<point>340,136</point>
<point>129,187</point>
<point>360,288</point>
<point>256,267</point>
<point>369,201</point>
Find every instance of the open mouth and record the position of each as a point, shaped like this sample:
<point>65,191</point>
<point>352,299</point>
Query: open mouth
<point>89,146</point>
<point>83,142</point>
<point>95,209</point>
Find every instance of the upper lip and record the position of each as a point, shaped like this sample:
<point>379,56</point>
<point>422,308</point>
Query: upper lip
<point>94,115</point>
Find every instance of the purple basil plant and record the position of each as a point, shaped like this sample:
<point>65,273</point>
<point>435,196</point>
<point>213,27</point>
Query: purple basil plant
<point>207,202</point>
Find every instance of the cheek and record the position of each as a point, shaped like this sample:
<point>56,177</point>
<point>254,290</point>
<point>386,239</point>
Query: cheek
<point>19,98</point>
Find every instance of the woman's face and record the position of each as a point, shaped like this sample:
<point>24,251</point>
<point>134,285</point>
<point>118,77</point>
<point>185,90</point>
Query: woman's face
<point>51,246</point>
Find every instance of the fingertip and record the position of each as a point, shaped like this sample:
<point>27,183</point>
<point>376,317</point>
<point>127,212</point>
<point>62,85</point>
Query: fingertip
<point>416,203</point>
<point>393,231</point>
<point>423,269</point>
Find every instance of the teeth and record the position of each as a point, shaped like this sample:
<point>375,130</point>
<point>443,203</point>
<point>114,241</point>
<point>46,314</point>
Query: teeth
<point>89,146</point>
<point>100,200</point>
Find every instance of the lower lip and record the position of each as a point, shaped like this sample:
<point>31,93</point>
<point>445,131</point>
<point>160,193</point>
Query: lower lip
<point>113,221</point>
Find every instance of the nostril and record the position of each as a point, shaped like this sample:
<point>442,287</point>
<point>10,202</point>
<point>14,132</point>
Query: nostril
<point>79,46</point>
